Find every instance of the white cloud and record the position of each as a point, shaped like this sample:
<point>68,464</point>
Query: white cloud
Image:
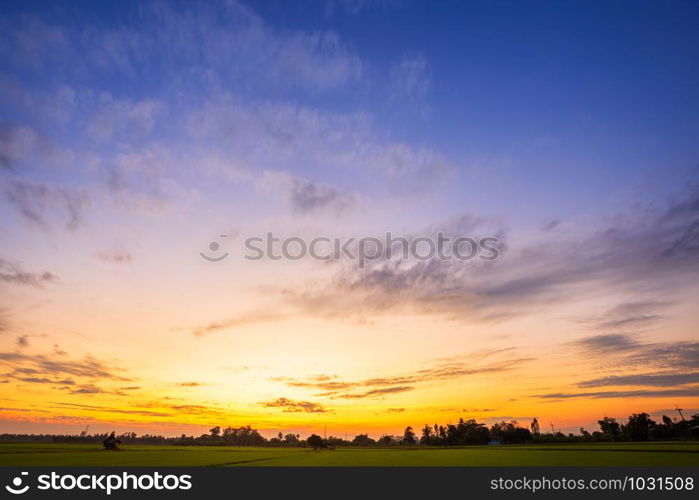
<point>259,137</point>
<point>225,43</point>
<point>411,79</point>
<point>134,119</point>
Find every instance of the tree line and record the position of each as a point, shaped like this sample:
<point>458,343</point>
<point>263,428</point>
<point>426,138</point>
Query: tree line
<point>638,427</point>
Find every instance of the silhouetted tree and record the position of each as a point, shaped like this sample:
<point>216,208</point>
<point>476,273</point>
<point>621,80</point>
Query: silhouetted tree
<point>473,432</point>
<point>362,440</point>
<point>386,441</point>
<point>510,432</point>
<point>426,438</point>
<point>639,427</point>
<point>609,427</point>
<point>315,441</point>
<point>333,441</point>
<point>243,436</point>
<point>291,439</point>
<point>409,436</point>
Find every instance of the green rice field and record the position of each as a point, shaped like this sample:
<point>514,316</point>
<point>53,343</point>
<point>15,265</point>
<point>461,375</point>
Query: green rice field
<point>599,454</point>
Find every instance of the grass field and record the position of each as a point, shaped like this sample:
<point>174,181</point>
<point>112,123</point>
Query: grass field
<point>603,454</point>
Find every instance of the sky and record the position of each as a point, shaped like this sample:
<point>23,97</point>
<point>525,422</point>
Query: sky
<point>134,134</point>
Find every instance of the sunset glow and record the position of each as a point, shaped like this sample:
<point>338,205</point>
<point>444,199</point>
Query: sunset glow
<point>134,135</point>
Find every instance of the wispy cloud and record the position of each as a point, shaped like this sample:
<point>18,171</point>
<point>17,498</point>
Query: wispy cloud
<point>676,362</point>
<point>87,389</point>
<point>108,409</point>
<point>4,320</point>
<point>633,315</point>
<point>307,196</point>
<point>333,387</point>
<point>14,274</point>
<point>245,47</point>
<point>375,393</point>
<point>45,366</point>
<point>613,343</point>
<point>292,406</point>
<point>17,143</point>
<point>39,380</point>
<point>237,322</point>
<point>664,393</point>
<point>133,119</point>
<point>624,350</point>
<point>630,252</point>
<point>644,379</point>
<point>39,202</point>
<point>551,225</point>
<point>666,355</point>
<point>411,80</point>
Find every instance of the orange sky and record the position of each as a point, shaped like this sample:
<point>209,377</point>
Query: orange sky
<point>131,141</point>
<point>301,374</point>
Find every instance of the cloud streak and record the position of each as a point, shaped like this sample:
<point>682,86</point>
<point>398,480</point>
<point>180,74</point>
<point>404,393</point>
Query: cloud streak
<point>333,387</point>
<point>632,252</point>
<point>243,48</point>
<point>626,351</point>
<point>45,369</point>
<point>662,393</point>
<point>12,273</point>
<point>240,321</point>
<point>39,202</point>
<point>292,406</point>
<point>307,196</point>
<point>644,379</point>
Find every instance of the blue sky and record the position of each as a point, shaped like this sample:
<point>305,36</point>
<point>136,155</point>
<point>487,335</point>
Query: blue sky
<point>133,133</point>
<point>567,101</point>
